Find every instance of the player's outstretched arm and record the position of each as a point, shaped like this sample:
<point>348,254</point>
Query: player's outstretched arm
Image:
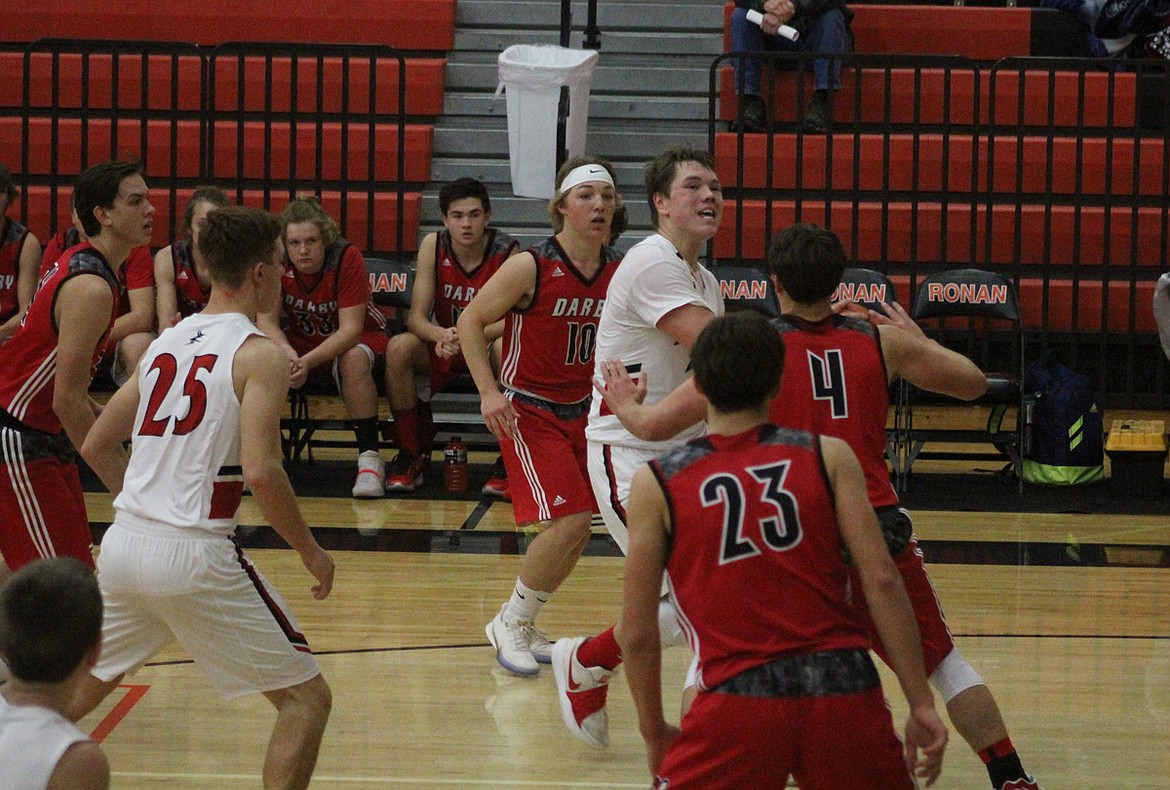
<point>925,363</point>
<point>668,417</point>
<point>889,607</point>
<point>637,632</point>
<point>260,372</point>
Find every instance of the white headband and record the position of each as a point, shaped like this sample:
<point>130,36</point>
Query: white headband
<point>584,174</point>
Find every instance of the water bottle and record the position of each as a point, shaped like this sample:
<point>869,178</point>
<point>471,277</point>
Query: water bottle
<point>455,466</point>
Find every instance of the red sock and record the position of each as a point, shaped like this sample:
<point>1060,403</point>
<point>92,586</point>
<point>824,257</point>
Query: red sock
<point>406,430</point>
<point>600,651</point>
<point>996,750</point>
<point>425,427</point>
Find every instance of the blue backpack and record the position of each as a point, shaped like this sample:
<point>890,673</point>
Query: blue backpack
<point>1067,444</point>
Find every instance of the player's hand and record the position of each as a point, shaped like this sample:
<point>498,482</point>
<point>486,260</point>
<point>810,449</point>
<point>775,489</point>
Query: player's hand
<point>851,309</point>
<point>657,745</point>
<point>447,346</point>
<point>298,374</point>
<point>319,563</point>
<point>498,415</point>
<point>616,386</point>
<point>925,731</point>
<point>894,314</point>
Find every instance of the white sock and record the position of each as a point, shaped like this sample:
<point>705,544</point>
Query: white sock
<point>525,602</point>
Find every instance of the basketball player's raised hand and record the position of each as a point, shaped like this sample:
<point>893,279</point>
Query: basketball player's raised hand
<point>616,386</point>
<point>894,314</point>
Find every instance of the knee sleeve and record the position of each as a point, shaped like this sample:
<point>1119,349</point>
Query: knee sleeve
<point>669,631</point>
<point>954,676</point>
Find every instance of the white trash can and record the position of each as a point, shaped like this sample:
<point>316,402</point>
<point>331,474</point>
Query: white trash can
<point>533,75</point>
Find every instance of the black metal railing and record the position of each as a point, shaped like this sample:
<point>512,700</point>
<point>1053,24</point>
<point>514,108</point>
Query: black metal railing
<point>1054,172</point>
<point>336,114</point>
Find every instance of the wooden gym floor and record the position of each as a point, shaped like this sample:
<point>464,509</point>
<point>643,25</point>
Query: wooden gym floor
<point>1078,656</point>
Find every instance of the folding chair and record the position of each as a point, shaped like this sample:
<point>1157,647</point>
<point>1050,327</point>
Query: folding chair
<point>747,288</point>
<point>867,287</point>
<point>976,313</point>
<point>391,286</point>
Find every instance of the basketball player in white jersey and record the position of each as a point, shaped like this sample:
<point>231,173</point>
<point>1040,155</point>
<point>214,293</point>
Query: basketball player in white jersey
<point>203,410</point>
<point>50,635</point>
<point>658,302</point>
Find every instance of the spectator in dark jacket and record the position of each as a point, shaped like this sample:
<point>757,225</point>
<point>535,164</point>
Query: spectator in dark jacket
<point>823,28</point>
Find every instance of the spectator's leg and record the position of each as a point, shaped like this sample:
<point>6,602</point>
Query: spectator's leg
<point>828,35</point>
<point>747,37</point>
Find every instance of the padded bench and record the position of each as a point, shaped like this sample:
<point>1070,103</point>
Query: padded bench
<point>313,413</point>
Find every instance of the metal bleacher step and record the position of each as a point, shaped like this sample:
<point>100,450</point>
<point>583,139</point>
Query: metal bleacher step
<point>617,139</point>
<point>649,90</point>
<point>673,108</point>
<point>614,74</point>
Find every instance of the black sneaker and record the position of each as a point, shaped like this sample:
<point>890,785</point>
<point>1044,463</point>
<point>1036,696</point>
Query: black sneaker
<point>755,114</point>
<point>818,119</point>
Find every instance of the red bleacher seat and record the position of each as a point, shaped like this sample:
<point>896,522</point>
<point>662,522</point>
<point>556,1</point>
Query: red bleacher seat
<point>1090,305</point>
<point>924,97</point>
<point>37,199</point>
<point>97,87</point>
<point>183,159</point>
<point>158,155</point>
<point>914,232</point>
<point>415,25</point>
<point>418,151</point>
<point>424,79</point>
<point>909,157</point>
<point>1074,166</point>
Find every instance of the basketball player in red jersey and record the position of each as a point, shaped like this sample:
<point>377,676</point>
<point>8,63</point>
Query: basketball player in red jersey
<point>46,368</point>
<point>19,251</point>
<point>134,327</point>
<point>181,284</point>
<point>331,326</point>
<point>750,524</point>
<point>550,297</point>
<point>847,397</point>
<point>453,265</point>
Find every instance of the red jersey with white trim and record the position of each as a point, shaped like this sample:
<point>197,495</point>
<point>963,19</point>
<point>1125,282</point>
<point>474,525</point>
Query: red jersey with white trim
<point>548,346</point>
<point>137,272</point>
<point>755,562</point>
<point>835,384</point>
<point>312,302</point>
<point>185,470</point>
<point>454,287</point>
<point>189,294</point>
<point>64,240</point>
<point>28,362</point>
<point>11,243</point>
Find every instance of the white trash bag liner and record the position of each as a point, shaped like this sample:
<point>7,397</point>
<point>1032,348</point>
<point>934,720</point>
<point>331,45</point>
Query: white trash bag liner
<point>532,75</point>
